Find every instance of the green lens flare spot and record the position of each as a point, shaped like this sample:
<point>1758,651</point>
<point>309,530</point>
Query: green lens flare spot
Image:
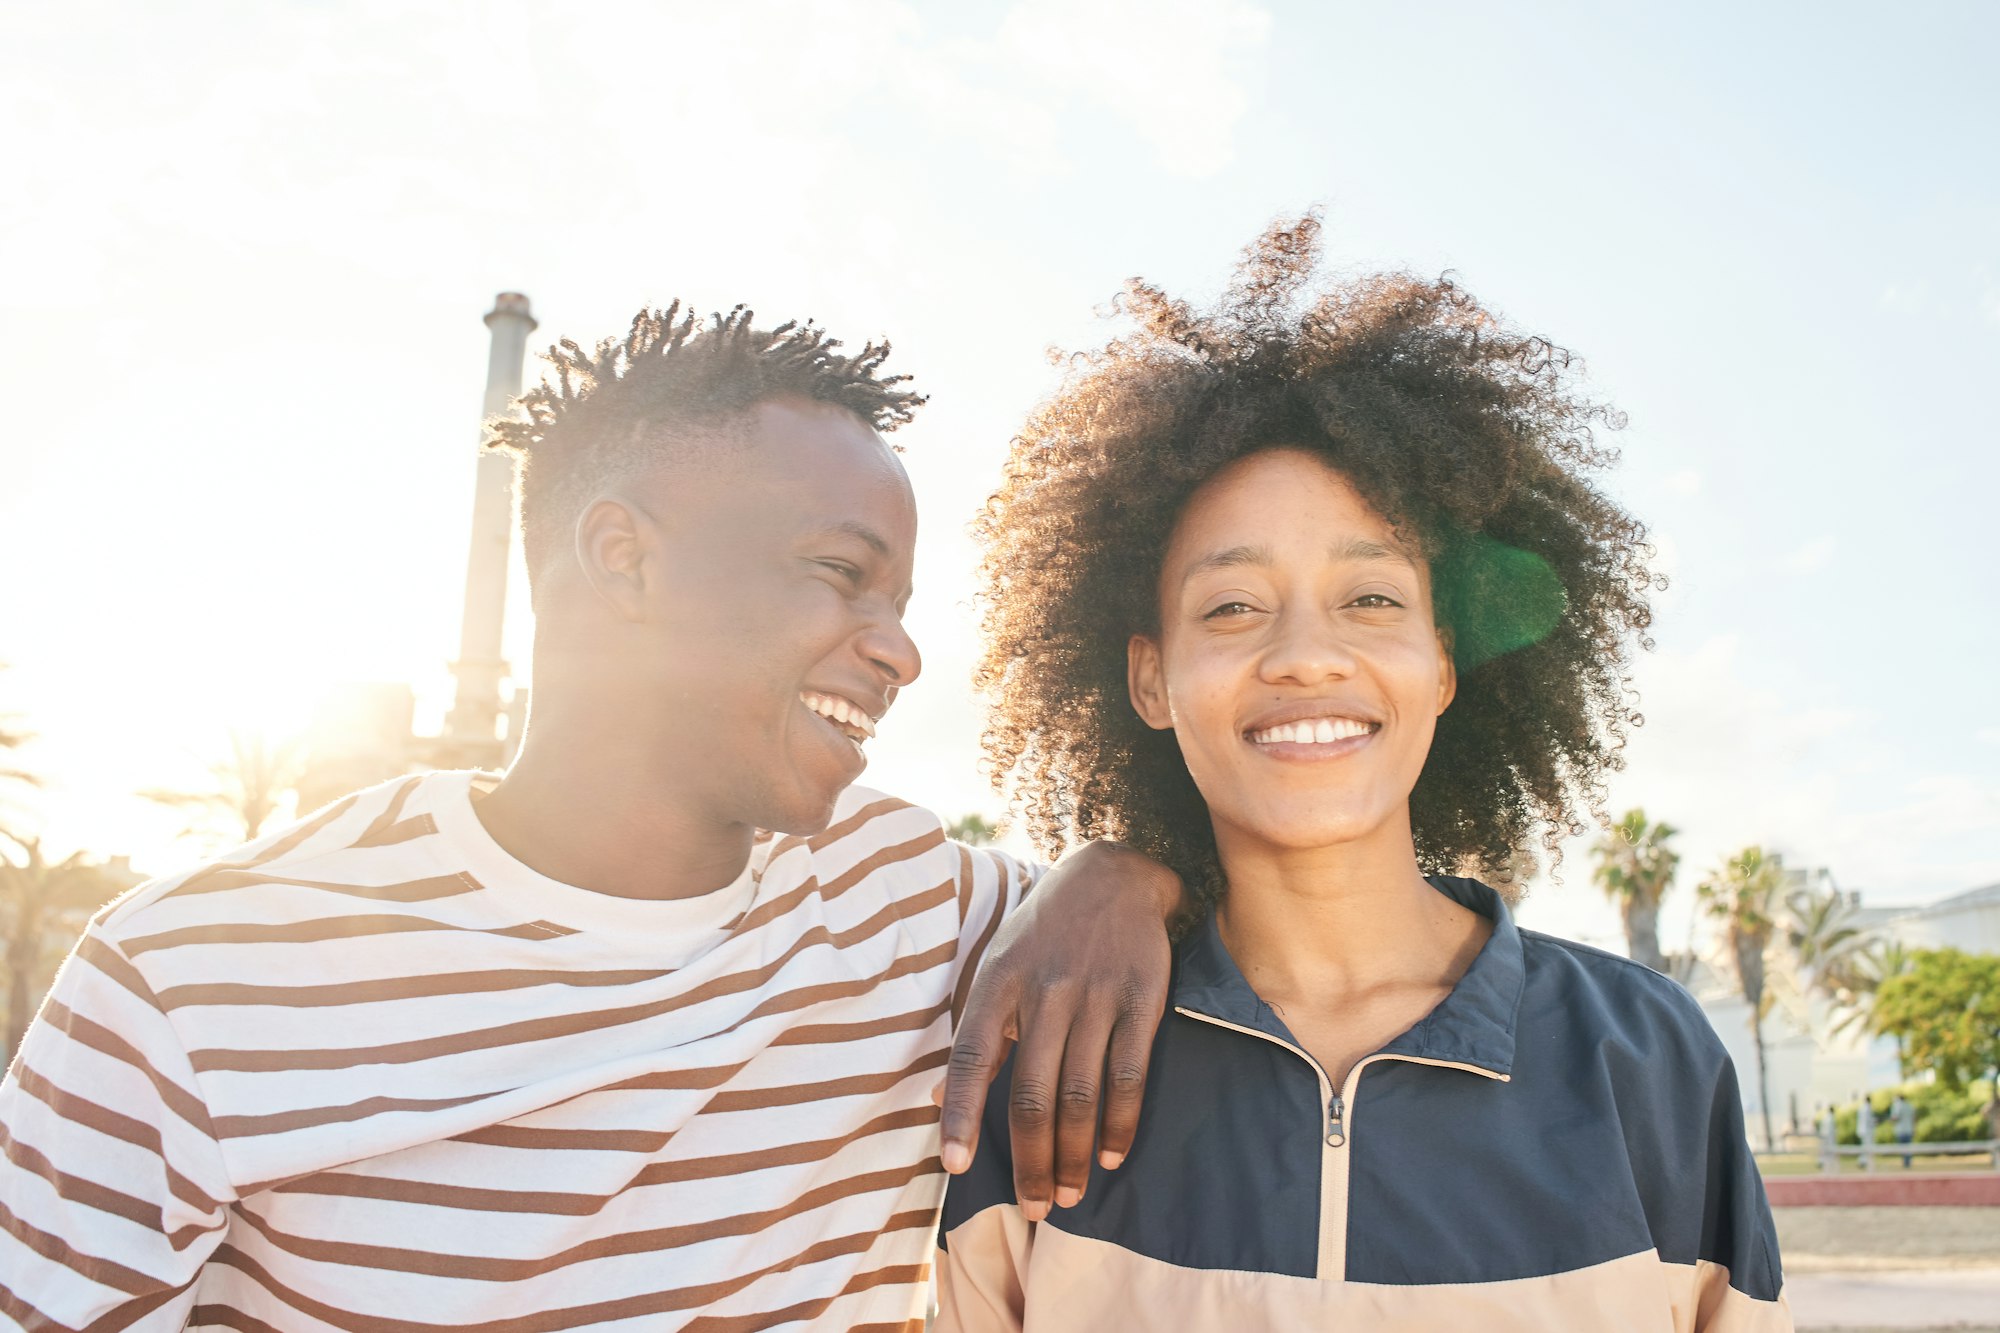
<point>1498,598</point>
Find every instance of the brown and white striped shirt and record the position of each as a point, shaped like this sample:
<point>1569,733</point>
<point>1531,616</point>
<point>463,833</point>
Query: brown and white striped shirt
<point>371,1073</point>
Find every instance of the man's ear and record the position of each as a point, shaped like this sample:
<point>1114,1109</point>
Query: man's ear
<point>1147,683</point>
<point>1447,671</point>
<point>613,544</point>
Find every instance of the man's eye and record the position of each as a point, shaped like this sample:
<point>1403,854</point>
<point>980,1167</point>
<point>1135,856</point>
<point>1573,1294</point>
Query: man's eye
<point>1375,600</point>
<point>842,568</point>
<point>1228,609</point>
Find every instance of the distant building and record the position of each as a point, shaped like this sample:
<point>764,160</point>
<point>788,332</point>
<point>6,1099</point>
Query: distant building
<point>1968,921</point>
<point>1808,1063</point>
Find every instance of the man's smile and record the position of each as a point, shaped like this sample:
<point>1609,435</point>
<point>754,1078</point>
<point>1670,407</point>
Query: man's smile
<point>846,716</point>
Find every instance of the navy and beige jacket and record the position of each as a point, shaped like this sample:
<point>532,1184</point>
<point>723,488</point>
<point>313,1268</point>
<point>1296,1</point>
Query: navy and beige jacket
<point>1558,1145</point>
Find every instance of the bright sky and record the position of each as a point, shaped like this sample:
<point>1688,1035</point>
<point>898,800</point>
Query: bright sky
<point>246,252</point>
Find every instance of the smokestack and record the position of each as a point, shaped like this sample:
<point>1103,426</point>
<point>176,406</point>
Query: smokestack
<point>471,731</point>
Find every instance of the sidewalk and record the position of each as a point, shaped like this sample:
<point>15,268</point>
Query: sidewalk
<point>1934,1299</point>
<point>1873,1269</point>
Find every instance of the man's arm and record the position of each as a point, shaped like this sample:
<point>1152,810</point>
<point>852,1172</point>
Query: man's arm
<point>112,1188</point>
<point>1077,976</point>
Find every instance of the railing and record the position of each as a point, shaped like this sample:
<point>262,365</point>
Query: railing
<point>1829,1156</point>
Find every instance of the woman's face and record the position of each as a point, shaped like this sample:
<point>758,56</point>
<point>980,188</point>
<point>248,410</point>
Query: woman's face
<point>1297,662</point>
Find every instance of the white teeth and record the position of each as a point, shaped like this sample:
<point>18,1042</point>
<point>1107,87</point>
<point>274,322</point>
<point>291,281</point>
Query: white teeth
<point>1315,731</point>
<point>836,709</point>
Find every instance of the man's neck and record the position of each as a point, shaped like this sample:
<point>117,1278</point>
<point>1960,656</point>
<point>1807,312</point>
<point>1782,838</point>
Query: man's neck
<point>571,808</point>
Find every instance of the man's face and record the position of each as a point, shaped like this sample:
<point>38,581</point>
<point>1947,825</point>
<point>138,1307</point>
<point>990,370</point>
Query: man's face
<point>773,639</point>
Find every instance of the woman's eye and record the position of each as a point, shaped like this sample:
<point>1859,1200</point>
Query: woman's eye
<point>1374,601</point>
<point>1228,609</point>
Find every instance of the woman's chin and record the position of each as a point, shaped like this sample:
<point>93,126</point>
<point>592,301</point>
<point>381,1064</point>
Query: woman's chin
<point>1304,832</point>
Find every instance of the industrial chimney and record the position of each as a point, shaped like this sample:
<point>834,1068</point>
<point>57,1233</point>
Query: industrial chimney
<point>471,731</point>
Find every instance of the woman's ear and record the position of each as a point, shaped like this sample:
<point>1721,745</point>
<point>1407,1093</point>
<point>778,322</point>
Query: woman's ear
<point>1146,683</point>
<point>612,543</point>
<point>1447,671</point>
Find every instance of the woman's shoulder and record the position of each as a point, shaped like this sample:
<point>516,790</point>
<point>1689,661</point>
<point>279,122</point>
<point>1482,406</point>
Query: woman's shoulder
<point>1608,997</point>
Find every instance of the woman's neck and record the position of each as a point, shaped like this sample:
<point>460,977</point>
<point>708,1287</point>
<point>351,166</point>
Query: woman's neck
<point>1327,927</point>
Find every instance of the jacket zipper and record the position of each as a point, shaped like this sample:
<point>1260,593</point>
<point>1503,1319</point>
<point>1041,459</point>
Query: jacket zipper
<point>1335,1140</point>
<point>1332,1261</point>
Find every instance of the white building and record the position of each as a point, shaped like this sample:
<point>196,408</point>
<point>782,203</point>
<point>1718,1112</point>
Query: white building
<point>1807,1063</point>
<point>1969,921</point>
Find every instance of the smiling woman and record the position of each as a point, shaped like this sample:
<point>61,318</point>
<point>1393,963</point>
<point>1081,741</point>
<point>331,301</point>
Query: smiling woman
<point>1308,596</point>
<point>1469,441</point>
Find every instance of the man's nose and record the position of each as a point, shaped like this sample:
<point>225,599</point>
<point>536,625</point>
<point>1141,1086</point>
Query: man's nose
<point>889,648</point>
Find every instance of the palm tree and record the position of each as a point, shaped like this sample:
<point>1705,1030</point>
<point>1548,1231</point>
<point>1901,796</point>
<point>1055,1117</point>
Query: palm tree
<point>12,737</point>
<point>1825,943</point>
<point>1635,868</point>
<point>974,830</point>
<point>1746,895</point>
<point>1861,974</point>
<point>43,905</point>
<point>250,786</point>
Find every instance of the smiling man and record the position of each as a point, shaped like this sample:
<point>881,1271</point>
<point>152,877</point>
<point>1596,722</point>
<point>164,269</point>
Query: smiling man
<point>644,1034</point>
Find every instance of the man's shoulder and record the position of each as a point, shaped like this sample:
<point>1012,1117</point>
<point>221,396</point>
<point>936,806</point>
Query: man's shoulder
<point>865,820</point>
<point>313,853</point>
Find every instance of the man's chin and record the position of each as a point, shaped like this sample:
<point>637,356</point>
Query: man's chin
<point>802,816</point>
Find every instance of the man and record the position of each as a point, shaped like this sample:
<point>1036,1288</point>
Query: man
<point>1903,1123</point>
<point>646,1032</point>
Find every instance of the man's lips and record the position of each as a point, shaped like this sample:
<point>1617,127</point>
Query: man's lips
<point>848,717</point>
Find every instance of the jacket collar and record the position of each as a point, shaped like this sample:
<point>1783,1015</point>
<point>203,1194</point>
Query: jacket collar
<point>1473,1025</point>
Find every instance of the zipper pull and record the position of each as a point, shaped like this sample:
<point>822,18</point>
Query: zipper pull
<point>1336,1128</point>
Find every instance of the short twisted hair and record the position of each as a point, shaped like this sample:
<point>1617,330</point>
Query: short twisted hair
<point>603,414</point>
<point>1470,437</point>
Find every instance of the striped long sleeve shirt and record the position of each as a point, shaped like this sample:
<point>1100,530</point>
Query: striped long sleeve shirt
<point>371,1073</point>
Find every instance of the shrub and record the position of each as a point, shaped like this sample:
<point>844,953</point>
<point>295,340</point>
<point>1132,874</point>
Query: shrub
<point>1943,1116</point>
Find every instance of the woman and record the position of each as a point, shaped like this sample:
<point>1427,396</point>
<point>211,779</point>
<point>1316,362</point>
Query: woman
<point>1302,595</point>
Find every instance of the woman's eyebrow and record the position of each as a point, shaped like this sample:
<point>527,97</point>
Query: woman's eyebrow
<point>1361,548</point>
<point>1353,549</point>
<point>1230,559</point>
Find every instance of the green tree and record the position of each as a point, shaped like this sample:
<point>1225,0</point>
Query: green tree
<point>43,905</point>
<point>974,830</point>
<point>1745,895</point>
<point>251,785</point>
<point>1946,1011</point>
<point>1635,868</point>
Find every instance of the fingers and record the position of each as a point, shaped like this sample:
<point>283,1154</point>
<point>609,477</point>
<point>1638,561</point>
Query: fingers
<point>1076,1103</point>
<point>1031,1109</point>
<point>1125,1074</point>
<point>977,1052</point>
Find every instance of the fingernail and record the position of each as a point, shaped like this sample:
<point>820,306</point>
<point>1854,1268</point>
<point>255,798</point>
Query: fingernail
<point>1109,1160</point>
<point>1034,1209</point>
<point>956,1157</point>
<point>937,1095</point>
<point>1067,1197</point>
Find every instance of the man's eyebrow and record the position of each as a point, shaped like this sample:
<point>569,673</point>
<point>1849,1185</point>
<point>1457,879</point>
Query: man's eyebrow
<point>860,532</point>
